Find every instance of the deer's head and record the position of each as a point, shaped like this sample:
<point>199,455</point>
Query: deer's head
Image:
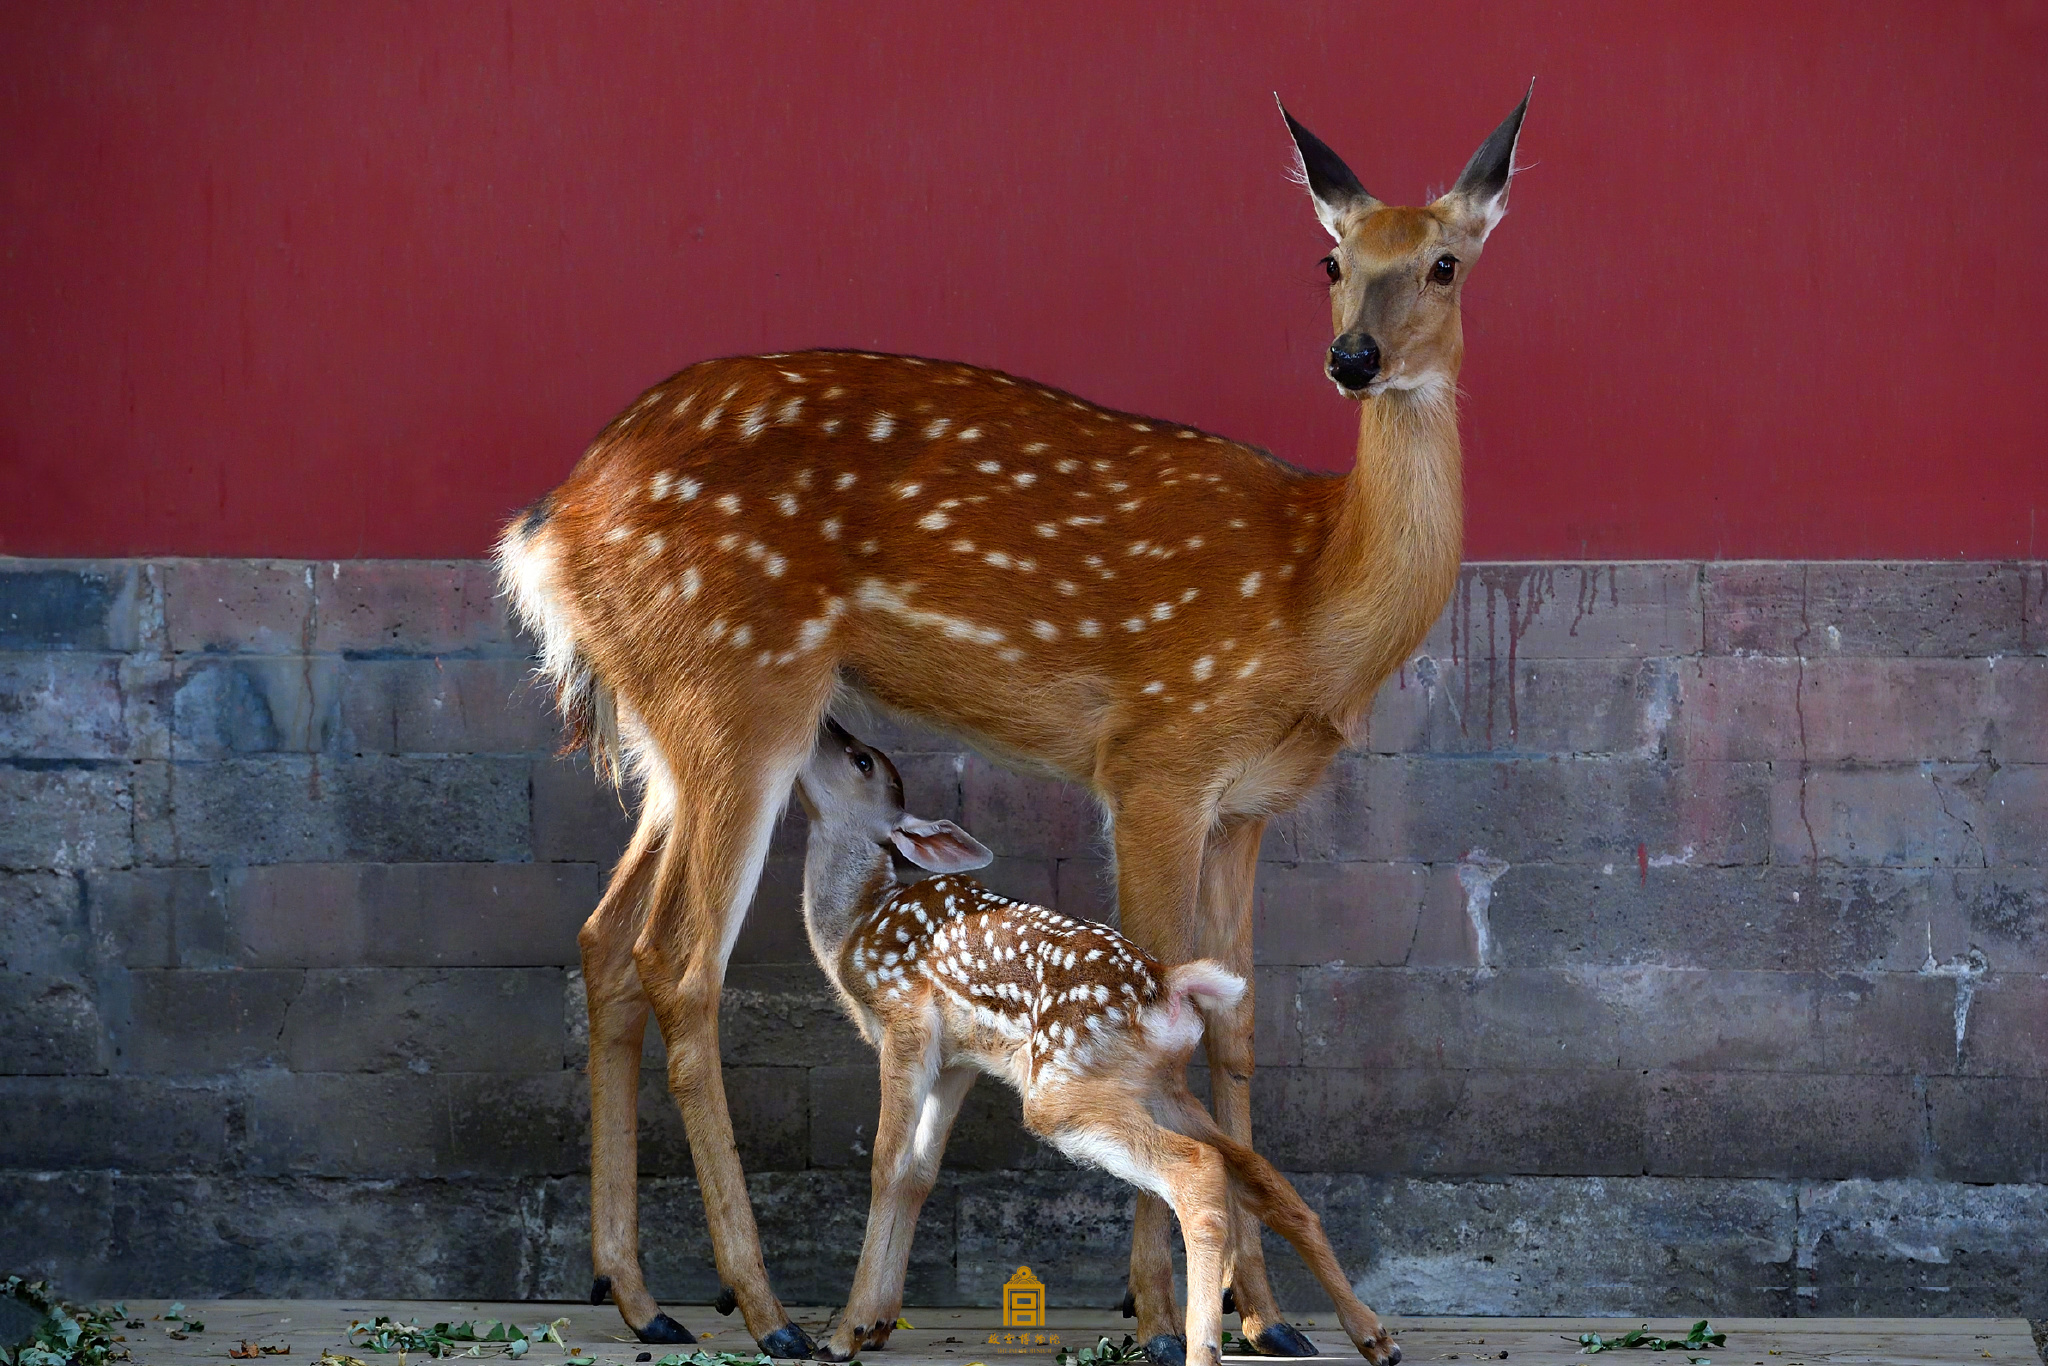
<point>1396,274</point>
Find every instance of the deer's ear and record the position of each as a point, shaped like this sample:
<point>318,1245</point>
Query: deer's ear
<point>1335,191</point>
<point>1481,194</point>
<point>939,846</point>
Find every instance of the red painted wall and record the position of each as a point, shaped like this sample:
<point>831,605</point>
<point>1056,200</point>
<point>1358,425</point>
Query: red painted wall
<point>352,279</point>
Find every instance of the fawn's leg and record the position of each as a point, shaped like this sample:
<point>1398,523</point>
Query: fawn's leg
<point>919,1102</point>
<point>1187,1175</point>
<point>1269,1195</point>
<point>1158,866</point>
<point>728,789</point>
<point>1222,930</point>
<point>618,1024</point>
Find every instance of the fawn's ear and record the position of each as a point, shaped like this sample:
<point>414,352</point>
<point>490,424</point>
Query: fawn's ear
<point>938,846</point>
<point>1331,185</point>
<point>1481,194</point>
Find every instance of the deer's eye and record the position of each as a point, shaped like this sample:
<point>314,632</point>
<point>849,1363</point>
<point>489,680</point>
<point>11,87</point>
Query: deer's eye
<point>863,763</point>
<point>1445,270</point>
<point>1331,269</point>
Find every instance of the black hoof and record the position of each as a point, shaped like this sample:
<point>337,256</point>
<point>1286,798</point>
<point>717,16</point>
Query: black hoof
<point>726,1302</point>
<point>1129,1308</point>
<point>1229,1300</point>
<point>1284,1340</point>
<point>644,1356</point>
<point>1393,1354</point>
<point>600,1290</point>
<point>662,1328</point>
<point>1167,1350</point>
<point>788,1342</point>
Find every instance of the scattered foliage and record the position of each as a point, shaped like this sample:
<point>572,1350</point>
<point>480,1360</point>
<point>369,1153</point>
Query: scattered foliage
<point>1700,1337</point>
<point>176,1314</point>
<point>67,1334</point>
<point>1106,1353</point>
<point>250,1351</point>
<point>483,1337</point>
<point>700,1357</point>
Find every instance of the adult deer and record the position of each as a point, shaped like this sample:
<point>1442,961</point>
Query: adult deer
<point>1184,625</point>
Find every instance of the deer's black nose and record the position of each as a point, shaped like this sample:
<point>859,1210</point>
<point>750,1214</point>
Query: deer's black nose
<point>1354,360</point>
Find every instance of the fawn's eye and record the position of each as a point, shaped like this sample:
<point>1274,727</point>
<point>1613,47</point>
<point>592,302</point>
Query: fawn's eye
<point>863,763</point>
<point>1445,270</point>
<point>1331,269</point>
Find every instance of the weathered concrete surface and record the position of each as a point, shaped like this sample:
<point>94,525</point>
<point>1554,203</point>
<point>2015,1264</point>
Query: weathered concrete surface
<point>1677,936</point>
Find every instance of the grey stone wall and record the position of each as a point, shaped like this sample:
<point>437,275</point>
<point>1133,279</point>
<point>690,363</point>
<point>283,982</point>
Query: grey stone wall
<point>1677,939</point>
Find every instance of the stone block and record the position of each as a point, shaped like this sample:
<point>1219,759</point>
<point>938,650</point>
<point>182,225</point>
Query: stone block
<point>1890,1023</point>
<point>1714,1021</point>
<point>2003,912</point>
<point>1440,1122</point>
<point>1555,809</point>
<point>845,1100</point>
<point>338,915</point>
<point>1926,816</point>
<point>1833,711</point>
<point>425,1020</point>
<point>1681,915</point>
<point>1029,817</point>
<point>786,1016</point>
<point>445,706</point>
<point>43,928</point>
<point>2016,815</point>
<point>1989,1129</point>
<point>1391,1018</point>
<point>1648,609</point>
<point>770,1109</point>
<point>576,818</point>
<point>49,1026</point>
<point>46,605</point>
<point>252,704</point>
<point>393,1126</point>
<point>158,917</point>
<point>372,809</point>
<point>54,1227</point>
<point>262,607</point>
<point>1927,610</point>
<point>1081,1219</point>
<point>203,1236</point>
<point>1361,914</point>
<point>1561,706</point>
<point>62,705</point>
<point>136,1124</point>
<point>1759,1124</point>
<point>1086,889</point>
<point>194,1023</point>
<point>1276,1022</point>
<point>411,607</point>
<point>2005,1028</point>
<point>774,927</point>
<point>1529,1245</point>
<point>1925,1248</point>
<point>64,818</point>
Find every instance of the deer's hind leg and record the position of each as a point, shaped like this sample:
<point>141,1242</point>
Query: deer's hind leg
<point>729,766</point>
<point>618,1026</point>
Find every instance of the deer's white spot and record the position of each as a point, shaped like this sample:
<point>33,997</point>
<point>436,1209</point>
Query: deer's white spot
<point>1063,466</point>
<point>845,479</point>
<point>1155,686</point>
<point>1251,666</point>
<point>1161,611</point>
<point>1024,479</point>
<point>1249,584</point>
<point>729,503</point>
<point>988,467</point>
<point>936,428</point>
<point>998,559</point>
<point>935,521</point>
<point>688,488</point>
<point>1198,706</point>
<point>1140,427</point>
<point>1067,588</point>
<point>970,434</point>
<point>618,533</point>
<point>1047,530</point>
<point>742,635</point>
<point>756,418</point>
<point>653,544</point>
<point>785,503</point>
<point>692,581</point>
<point>964,547</point>
<point>880,426</point>
<point>774,564</point>
<point>1045,630</point>
<point>1194,543</point>
<point>789,410</point>
<point>1131,506</point>
<point>829,426</point>
<point>909,490</point>
<point>657,487</point>
<point>1138,547</point>
<point>1086,521</point>
<point>829,528</point>
<point>1204,666</point>
<point>1188,595</point>
<point>711,418</point>
<point>1134,624</point>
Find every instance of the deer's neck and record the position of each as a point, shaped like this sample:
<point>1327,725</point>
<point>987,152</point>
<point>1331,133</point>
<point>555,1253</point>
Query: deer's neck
<point>845,874</point>
<point>1391,557</point>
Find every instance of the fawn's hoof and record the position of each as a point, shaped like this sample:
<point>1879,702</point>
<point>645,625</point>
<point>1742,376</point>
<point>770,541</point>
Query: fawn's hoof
<point>1229,1300</point>
<point>1167,1350</point>
<point>1284,1340</point>
<point>726,1302</point>
<point>662,1328</point>
<point>790,1342</point>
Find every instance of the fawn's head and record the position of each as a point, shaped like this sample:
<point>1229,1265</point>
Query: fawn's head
<point>854,792</point>
<point>1396,273</point>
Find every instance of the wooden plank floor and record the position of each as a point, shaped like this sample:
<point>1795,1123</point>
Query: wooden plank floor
<point>959,1337</point>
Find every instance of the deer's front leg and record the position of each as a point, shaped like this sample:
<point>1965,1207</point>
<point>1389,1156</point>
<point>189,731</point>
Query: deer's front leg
<point>919,1102</point>
<point>1159,837</point>
<point>1223,931</point>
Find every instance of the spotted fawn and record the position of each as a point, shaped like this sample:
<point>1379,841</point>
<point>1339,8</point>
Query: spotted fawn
<point>949,980</point>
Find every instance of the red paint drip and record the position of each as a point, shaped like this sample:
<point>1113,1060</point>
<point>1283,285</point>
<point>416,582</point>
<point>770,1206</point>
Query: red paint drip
<point>1643,862</point>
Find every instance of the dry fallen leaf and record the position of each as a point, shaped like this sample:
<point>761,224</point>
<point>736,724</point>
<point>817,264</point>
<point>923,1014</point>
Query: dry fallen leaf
<point>248,1351</point>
